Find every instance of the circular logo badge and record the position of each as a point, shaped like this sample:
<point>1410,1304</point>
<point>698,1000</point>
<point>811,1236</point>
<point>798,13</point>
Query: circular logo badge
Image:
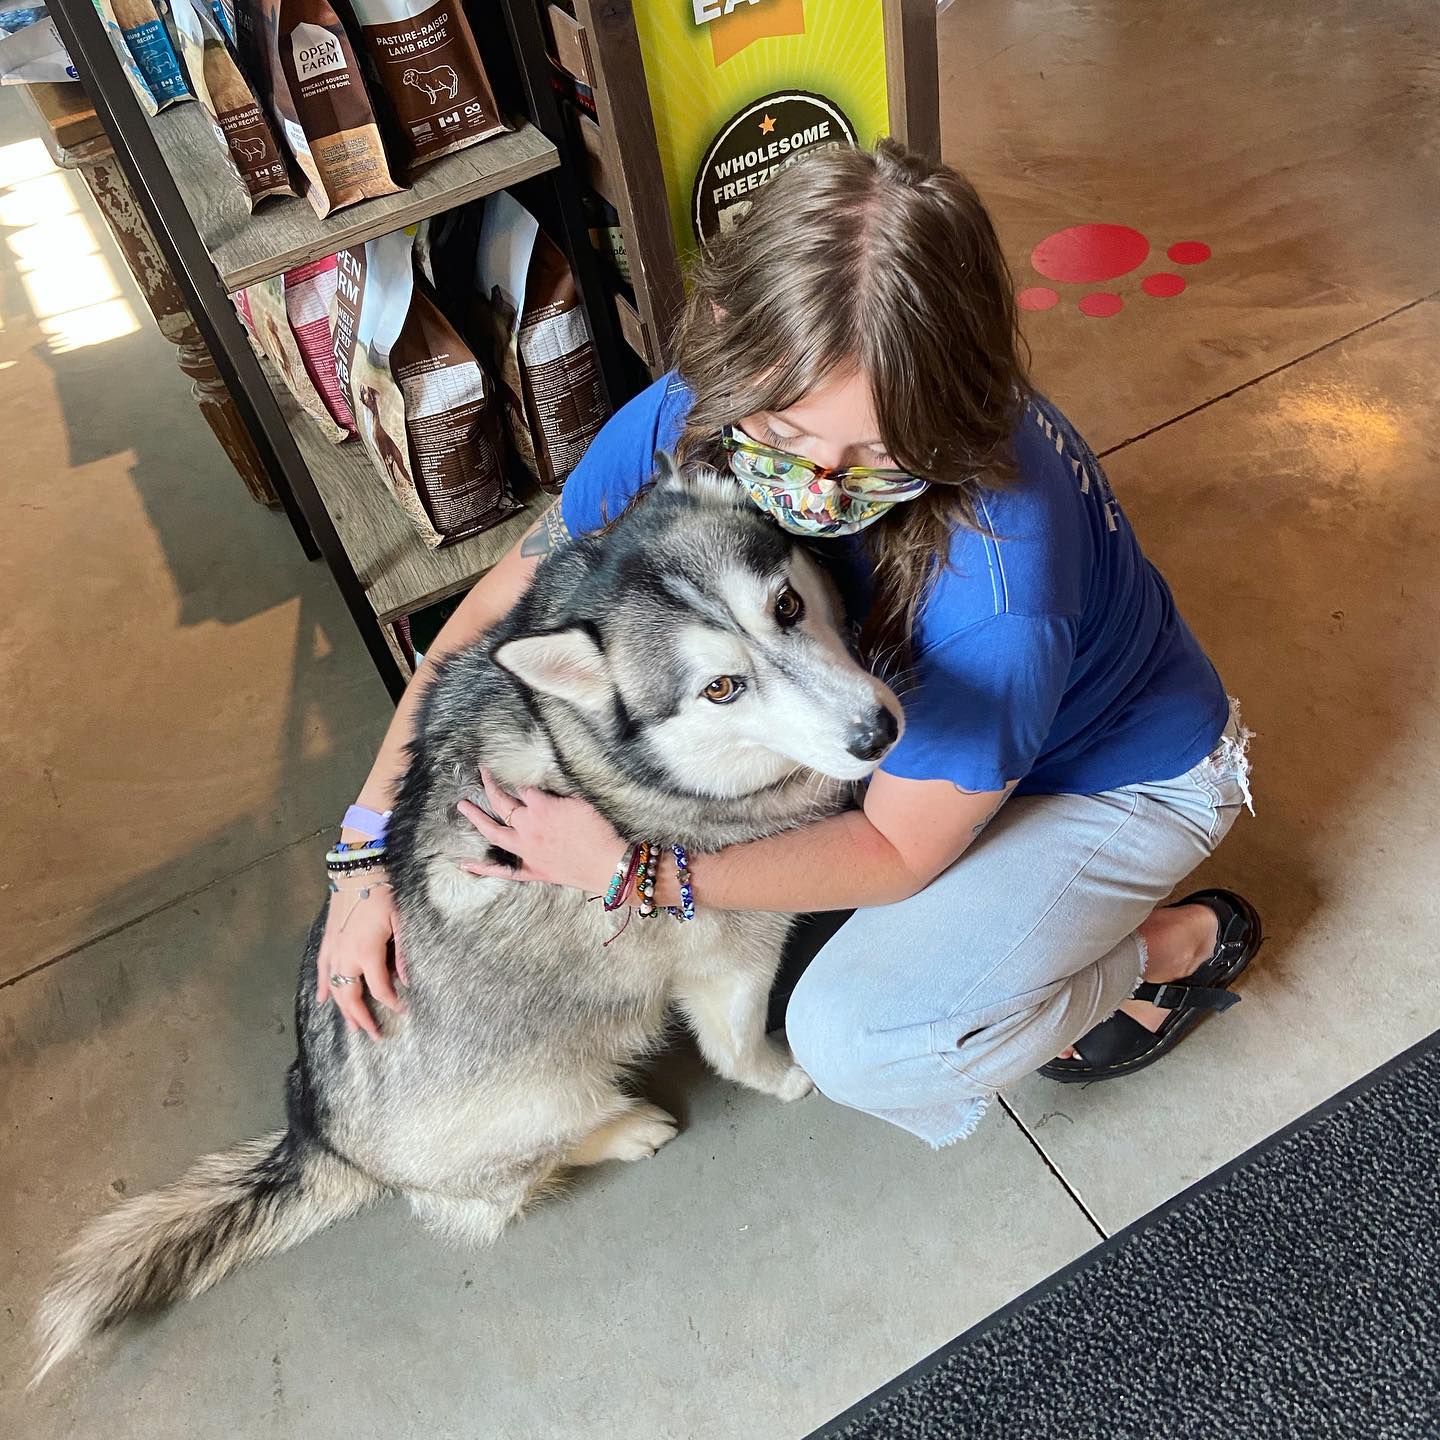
<point>752,145</point>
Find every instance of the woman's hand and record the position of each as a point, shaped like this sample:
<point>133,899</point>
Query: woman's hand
<point>558,839</point>
<point>360,928</point>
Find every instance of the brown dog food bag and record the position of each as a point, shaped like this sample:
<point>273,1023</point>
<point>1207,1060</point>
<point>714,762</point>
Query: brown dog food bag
<point>423,57</point>
<point>299,53</point>
<point>235,113</point>
<point>262,308</point>
<point>427,412</point>
<point>554,404</point>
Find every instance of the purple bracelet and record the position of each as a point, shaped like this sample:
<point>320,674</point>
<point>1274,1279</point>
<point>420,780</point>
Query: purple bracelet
<point>370,823</point>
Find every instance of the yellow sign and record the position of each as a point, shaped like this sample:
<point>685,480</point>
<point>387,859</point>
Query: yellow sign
<point>739,87</point>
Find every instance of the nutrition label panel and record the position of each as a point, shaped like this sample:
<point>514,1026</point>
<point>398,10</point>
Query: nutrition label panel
<point>448,387</point>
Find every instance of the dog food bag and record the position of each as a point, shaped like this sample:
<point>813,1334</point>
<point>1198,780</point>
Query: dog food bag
<point>31,50</point>
<point>423,57</point>
<point>148,41</point>
<point>554,405</point>
<point>235,113</point>
<point>309,300</point>
<point>262,308</point>
<point>298,51</point>
<point>19,15</point>
<point>445,254</point>
<point>223,12</point>
<point>427,413</point>
<point>143,93</point>
<point>602,220</point>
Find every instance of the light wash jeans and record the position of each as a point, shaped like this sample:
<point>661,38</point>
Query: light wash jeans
<point>918,1012</point>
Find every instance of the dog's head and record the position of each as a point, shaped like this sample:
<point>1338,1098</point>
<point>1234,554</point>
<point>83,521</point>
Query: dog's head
<point>704,648</point>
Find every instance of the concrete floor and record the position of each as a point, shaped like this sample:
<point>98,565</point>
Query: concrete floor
<point>177,678</point>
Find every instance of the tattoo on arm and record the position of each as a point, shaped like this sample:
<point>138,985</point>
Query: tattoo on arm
<point>549,535</point>
<point>977,830</point>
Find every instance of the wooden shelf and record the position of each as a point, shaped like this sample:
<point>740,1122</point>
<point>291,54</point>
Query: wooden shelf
<point>284,233</point>
<point>400,573</point>
<point>68,114</point>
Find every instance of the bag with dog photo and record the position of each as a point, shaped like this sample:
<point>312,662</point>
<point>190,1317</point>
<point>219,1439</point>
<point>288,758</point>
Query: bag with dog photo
<point>299,55</point>
<point>235,113</point>
<point>554,405</point>
<point>427,412</point>
<point>309,304</point>
<point>262,307</point>
<point>423,57</point>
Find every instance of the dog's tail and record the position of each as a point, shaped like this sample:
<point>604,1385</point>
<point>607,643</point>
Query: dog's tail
<point>229,1209</point>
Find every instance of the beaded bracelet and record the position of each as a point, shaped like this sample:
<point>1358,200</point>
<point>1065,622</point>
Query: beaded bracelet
<point>364,868</point>
<point>645,881</point>
<point>687,890</point>
<point>626,868</point>
<point>645,885</point>
<point>344,859</point>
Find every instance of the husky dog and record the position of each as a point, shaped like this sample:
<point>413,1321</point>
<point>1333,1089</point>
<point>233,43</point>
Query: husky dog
<point>685,672</point>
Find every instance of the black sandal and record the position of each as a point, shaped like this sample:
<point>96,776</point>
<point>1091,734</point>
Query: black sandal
<point>1120,1045</point>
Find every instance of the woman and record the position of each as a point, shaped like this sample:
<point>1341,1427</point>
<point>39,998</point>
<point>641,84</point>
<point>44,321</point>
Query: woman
<point>850,354</point>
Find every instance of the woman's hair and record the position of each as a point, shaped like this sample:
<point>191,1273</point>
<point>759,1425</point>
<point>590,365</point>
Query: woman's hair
<point>888,262</point>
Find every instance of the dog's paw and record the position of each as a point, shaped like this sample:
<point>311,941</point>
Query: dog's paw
<point>784,1079</point>
<point>777,1075</point>
<point>648,1128</point>
<point>795,1086</point>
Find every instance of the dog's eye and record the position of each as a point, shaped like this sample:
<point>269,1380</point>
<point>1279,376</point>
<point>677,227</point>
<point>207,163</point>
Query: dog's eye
<point>789,607</point>
<point>723,689</point>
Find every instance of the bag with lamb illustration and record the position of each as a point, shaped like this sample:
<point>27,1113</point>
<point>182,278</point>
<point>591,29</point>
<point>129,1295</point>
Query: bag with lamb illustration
<point>235,113</point>
<point>423,58</point>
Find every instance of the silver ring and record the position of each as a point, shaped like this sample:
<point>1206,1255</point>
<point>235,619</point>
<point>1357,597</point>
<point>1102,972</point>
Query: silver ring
<point>346,979</point>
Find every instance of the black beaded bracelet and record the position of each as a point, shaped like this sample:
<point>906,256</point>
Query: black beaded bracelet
<point>352,867</point>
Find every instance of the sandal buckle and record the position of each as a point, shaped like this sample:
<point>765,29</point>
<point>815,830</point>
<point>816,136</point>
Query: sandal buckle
<point>1168,997</point>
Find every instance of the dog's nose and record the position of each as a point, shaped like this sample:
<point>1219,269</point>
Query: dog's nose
<point>871,738</point>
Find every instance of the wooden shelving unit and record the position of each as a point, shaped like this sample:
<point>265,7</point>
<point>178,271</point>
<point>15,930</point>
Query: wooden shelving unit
<point>281,234</point>
<point>398,572</point>
<point>339,505</point>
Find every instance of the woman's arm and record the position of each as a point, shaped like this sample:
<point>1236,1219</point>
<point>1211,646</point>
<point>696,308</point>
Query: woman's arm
<point>360,923</point>
<point>908,832</point>
<point>489,601</point>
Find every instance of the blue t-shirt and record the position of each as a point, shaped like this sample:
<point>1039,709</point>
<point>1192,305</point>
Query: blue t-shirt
<point>1048,652</point>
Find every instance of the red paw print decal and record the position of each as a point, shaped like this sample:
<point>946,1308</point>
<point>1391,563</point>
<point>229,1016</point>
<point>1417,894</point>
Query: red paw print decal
<point>1093,254</point>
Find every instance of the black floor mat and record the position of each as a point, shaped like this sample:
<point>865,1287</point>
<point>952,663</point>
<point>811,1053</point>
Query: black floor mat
<point>1293,1293</point>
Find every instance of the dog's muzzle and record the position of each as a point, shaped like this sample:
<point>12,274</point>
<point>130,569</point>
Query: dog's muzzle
<point>870,738</point>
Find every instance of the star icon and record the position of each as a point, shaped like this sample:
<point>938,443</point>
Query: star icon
<point>767,125</point>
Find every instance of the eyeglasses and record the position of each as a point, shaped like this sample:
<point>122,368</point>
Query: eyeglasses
<point>778,469</point>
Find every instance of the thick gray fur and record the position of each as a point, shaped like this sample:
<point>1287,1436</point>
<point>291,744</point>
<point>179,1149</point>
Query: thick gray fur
<point>509,1063</point>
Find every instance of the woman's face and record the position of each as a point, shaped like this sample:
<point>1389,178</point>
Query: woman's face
<point>833,426</point>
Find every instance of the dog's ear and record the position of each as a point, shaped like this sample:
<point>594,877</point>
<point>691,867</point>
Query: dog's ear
<point>565,663</point>
<point>702,483</point>
<point>668,475</point>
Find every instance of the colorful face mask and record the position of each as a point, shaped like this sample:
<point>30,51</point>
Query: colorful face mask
<point>810,510</point>
<point>807,499</point>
